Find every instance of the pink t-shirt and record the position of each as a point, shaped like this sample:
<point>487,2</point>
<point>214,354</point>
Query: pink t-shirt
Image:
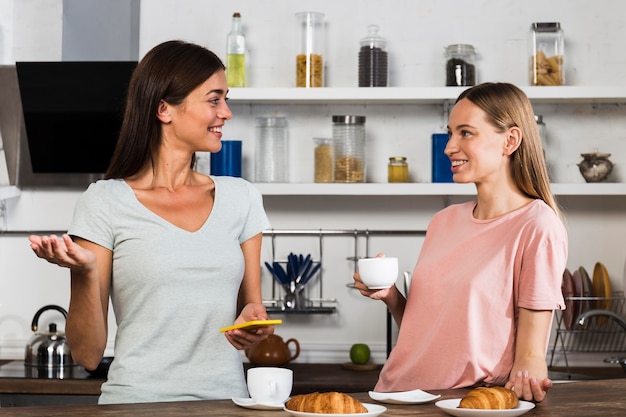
<point>471,277</point>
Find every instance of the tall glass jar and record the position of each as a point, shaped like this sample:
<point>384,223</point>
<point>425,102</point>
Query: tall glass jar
<point>309,61</point>
<point>373,61</point>
<point>349,148</point>
<point>547,53</point>
<point>460,65</point>
<point>272,150</point>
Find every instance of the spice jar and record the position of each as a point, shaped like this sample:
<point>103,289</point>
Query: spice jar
<point>373,62</point>
<point>309,61</point>
<point>460,65</point>
<point>397,169</point>
<point>271,154</point>
<point>546,62</point>
<point>323,157</point>
<point>349,148</point>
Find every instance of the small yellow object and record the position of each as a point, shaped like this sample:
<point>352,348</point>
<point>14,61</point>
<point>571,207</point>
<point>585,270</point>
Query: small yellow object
<point>251,325</point>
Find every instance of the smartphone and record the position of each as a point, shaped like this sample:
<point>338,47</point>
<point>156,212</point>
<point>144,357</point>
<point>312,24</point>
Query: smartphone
<point>251,325</point>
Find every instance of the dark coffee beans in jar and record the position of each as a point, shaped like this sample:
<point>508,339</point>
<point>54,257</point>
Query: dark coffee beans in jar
<point>460,68</point>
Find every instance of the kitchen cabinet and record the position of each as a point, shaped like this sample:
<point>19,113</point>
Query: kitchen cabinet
<point>285,99</point>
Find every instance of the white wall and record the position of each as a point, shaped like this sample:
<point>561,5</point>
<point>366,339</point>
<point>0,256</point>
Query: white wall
<point>416,33</point>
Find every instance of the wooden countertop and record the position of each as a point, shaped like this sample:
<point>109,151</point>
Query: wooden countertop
<point>603,398</point>
<point>307,378</point>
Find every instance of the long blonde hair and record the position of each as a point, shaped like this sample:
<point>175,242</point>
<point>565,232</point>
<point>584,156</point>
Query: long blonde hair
<point>506,106</point>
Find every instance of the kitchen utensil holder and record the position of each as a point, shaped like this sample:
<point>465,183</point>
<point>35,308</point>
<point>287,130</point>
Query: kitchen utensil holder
<point>596,336</point>
<point>323,305</point>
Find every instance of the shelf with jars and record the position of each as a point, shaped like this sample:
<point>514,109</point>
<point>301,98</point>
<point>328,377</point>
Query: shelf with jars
<point>423,188</point>
<point>444,96</point>
<point>423,95</point>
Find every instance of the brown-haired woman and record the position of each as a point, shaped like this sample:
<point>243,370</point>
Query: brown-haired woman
<point>177,252</point>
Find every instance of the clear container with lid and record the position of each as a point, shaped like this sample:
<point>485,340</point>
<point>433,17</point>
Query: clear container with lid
<point>323,158</point>
<point>373,60</point>
<point>397,169</point>
<point>309,61</point>
<point>272,150</point>
<point>349,148</point>
<point>460,65</point>
<point>547,53</point>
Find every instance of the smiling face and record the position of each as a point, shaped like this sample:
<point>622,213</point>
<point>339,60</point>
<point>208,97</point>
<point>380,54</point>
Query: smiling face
<point>196,124</point>
<point>478,151</point>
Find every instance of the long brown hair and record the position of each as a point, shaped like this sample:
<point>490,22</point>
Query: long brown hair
<point>169,72</point>
<point>506,106</point>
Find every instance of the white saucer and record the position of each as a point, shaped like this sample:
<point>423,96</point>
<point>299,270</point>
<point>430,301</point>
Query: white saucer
<point>416,396</point>
<point>250,403</point>
<point>451,407</point>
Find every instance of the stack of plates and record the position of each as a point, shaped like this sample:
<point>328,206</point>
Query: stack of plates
<point>582,293</point>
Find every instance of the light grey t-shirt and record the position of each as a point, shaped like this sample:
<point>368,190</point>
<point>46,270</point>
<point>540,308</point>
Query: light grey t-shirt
<point>172,290</point>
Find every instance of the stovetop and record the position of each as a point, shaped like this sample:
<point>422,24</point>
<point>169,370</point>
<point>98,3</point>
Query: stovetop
<point>17,369</point>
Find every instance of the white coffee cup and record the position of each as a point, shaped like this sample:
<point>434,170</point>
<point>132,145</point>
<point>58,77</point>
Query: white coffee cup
<point>270,385</point>
<point>378,273</point>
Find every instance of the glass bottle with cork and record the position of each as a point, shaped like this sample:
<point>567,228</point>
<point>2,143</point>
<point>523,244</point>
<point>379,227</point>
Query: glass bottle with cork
<point>236,54</point>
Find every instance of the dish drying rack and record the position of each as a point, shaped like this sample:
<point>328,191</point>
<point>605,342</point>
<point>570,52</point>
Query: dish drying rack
<point>320,304</point>
<point>600,327</point>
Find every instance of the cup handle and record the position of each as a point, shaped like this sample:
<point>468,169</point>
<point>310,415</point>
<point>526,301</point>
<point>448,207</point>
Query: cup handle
<point>273,389</point>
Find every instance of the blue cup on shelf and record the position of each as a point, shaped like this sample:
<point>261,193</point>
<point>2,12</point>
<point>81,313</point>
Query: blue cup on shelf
<point>441,165</point>
<point>228,160</point>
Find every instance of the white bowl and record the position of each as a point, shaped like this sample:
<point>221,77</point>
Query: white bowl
<point>378,273</point>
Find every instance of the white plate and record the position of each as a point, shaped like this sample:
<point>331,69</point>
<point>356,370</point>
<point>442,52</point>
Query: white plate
<point>416,396</point>
<point>373,410</point>
<point>451,407</point>
<point>250,403</point>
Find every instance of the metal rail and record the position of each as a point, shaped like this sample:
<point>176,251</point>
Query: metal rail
<point>320,234</point>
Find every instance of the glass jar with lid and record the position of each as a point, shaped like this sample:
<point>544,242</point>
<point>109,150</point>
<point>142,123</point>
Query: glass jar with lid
<point>323,159</point>
<point>460,65</point>
<point>547,54</point>
<point>272,150</point>
<point>373,61</point>
<point>309,60</point>
<point>397,169</point>
<point>349,148</point>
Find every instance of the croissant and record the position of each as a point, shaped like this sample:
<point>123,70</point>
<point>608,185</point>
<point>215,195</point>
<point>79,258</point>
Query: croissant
<point>325,403</point>
<point>493,398</point>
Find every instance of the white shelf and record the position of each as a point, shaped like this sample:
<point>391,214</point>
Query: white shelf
<point>427,189</point>
<point>9,191</point>
<point>423,95</point>
<point>420,95</point>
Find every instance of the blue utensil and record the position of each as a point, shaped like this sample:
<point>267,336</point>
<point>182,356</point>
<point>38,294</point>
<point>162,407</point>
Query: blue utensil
<point>310,274</point>
<point>274,273</point>
<point>280,272</point>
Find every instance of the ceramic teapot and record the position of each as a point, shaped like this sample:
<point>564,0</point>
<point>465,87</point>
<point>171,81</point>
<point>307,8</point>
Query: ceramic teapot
<point>48,349</point>
<point>596,166</point>
<point>273,350</point>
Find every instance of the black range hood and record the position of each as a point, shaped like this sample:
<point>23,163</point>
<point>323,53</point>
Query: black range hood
<point>60,120</point>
